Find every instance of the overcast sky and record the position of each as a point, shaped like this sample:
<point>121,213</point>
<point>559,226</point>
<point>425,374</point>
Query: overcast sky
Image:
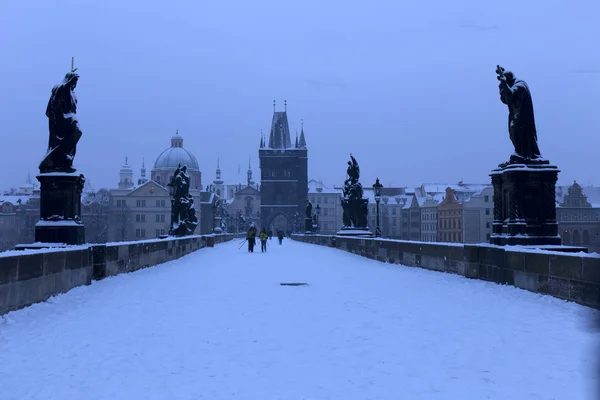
<point>408,87</point>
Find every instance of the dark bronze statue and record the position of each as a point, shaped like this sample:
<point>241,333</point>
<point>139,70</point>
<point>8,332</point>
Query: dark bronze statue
<point>354,207</point>
<point>521,122</point>
<point>64,132</point>
<point>353,172</point>
<point>308,220</point>
<point>183,212</point>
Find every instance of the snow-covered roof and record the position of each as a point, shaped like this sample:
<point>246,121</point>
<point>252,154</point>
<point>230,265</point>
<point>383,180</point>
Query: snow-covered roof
<point>432,188</point>
<point>14,200</point>
<point>315,186</point>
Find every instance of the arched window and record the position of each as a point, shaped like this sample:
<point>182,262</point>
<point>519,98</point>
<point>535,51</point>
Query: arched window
<point>586,236</point>
<point>576,237</point>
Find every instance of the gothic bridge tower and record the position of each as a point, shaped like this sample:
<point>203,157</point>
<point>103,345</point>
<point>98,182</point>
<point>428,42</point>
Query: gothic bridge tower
<point>283,175</point>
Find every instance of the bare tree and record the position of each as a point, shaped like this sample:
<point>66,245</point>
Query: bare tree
<point>95,215</point>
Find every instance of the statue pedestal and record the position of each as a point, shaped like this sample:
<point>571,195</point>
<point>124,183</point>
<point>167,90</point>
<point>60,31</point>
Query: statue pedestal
<point>308,225</point>
<point>525,205</point>
<point>60,209</point>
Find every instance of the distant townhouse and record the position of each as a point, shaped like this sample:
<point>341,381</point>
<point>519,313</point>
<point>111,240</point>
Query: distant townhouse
<point>478,215</point>
<point>578,215</point>
<point>329,202</point>
<point>429,221</point>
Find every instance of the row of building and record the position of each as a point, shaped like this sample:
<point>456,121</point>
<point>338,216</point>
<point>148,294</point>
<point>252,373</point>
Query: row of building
<point>140,208</point>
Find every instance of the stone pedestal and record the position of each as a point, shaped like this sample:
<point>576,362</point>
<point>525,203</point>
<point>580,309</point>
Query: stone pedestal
<point>60,209</point>
<point>525,205</point>
<point>218,230</point>
<point>308,225</point>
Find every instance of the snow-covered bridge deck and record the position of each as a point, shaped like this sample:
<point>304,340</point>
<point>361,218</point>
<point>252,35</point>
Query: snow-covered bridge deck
<point>217,324</point>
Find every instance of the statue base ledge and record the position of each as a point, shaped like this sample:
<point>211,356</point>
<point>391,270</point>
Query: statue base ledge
<point>76,174</point>
<point>67,232</point>
<point>352,231</point>
<point>525,240</point>
<point>525,167</point>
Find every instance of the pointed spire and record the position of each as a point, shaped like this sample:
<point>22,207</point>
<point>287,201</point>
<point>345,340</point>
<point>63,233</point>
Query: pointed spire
<point>126,160</point>
<point>273,105</point>
<point>302,143</point>
<point>143,163</point>
<point>296,138</point>
<point>262,139</point>
<point>218,180</point>
<point>285,105</point>
<point>249,181</point>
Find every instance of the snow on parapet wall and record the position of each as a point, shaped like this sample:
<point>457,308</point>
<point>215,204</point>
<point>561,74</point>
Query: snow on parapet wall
<point>56,248</point>
<point>155,239</point>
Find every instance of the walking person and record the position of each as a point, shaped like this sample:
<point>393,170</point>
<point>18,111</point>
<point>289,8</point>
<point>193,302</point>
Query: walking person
<point>263,235</point>
<point>251,237</point>
<point>280,236</point>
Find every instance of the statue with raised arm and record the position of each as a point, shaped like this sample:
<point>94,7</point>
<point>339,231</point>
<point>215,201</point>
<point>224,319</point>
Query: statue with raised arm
<point>521,122</point>
<point>353,172</point>
<point>64,132</point>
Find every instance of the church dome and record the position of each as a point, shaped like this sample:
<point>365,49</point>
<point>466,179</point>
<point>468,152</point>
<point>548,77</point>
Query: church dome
<point>175,155</point>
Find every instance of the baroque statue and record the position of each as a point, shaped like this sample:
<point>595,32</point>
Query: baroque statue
<point>183,212</point>
<point>308,220</point>
<point>521,122</point>
<point>64,132</point>
<point>355,208</point>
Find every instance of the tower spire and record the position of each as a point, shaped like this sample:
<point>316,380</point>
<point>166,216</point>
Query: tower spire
<point>285,105</point>
<point>302,142</point>
<point>142,178</point>
<point>296,138</point>
<point>249,173</point>
<point>218,180</point>
<point>273,105</point>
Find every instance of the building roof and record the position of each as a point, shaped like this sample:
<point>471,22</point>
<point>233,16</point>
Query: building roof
<point>433,188</point>
<point>315,186</point>
<point>279,137</point>
<point>592,193</point>
<point>14,200</point>
<point>175,155</point>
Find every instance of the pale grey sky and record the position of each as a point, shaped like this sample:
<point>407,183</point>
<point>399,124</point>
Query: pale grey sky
<point>407,86</point>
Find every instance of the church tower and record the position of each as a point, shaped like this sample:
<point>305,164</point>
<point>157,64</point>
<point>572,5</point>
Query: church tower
<point>218,183</point>
<point>143,178</point>
<point>126,176</point>
<point>283,175</point>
